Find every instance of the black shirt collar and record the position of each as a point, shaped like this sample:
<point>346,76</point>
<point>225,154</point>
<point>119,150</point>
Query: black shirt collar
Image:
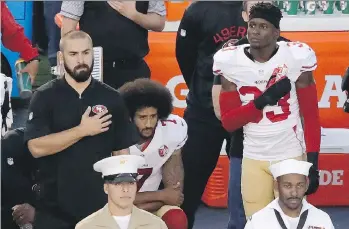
<point>62,82</point>
<point>249,55</point>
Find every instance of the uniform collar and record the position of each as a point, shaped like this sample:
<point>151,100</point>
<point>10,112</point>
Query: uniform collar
<point>62,82</point>
<point>138,218</point>
<point>249,55</point>
<point>153,145</point>
<point>275,205</point>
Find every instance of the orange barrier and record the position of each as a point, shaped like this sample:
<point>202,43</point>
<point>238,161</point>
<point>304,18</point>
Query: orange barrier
<point>175,9</point>
<point>332,49</point>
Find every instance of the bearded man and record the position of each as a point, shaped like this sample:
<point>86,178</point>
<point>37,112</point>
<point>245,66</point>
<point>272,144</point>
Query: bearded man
<point>73,122</point>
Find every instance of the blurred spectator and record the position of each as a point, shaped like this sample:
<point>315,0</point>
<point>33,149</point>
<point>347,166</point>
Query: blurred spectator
<point>121,29</point>
<point>204,28</point>
<point>13,38</point>
<point>51,8</point>
<point>6,116</point>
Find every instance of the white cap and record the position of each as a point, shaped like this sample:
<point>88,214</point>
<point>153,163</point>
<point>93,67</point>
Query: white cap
<point>122,164</point>
<point>290,166</point>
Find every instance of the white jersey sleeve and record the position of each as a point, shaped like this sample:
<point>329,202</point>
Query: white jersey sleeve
<point>224,62</point>
<point>177,130</point>
<point>304,56</point>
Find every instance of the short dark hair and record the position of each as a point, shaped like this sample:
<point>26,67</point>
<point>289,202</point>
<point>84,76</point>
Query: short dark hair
<point>271,11</point>
<point>143,93</point>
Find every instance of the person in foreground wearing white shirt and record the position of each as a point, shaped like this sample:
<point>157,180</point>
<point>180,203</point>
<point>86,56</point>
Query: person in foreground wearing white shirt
<point>290,210</point>
<point>120,176</point>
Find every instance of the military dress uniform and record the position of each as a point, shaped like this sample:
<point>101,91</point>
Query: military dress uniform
<point>118,169</point>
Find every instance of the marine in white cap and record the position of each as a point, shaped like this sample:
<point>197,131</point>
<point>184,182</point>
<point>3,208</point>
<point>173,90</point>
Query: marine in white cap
<point>120,184</point>
<point>290,210</point>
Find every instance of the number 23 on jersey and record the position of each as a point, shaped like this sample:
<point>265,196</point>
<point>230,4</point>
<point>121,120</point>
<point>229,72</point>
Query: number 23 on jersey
<point>270,115</point>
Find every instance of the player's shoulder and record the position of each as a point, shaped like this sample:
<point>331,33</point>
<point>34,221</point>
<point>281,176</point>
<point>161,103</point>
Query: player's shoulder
<point>299,50</point>
<point>174,128</point>
<point>229,53</point>
<point>48,91</point>
<point>196,10</point>
<point>173,122</point>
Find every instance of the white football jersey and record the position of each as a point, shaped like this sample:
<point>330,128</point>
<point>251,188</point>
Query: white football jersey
<point>170,135</point>
<point>278,134</point>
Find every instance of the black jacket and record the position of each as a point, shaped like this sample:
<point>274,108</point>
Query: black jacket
<point>205,26</point>
<point>120,37</point>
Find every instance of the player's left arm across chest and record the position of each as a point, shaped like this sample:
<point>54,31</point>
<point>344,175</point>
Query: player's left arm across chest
<point>172,170</point>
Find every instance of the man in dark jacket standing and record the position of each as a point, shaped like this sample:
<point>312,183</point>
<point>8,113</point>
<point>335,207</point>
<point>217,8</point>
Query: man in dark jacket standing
<point>204,28</point>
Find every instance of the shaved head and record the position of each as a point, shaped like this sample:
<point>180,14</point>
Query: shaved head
<point>76,55</point>
<point>72,35</point>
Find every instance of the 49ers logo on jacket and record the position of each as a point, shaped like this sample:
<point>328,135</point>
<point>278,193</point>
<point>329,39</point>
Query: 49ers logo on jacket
<point>98,109</point>
<point>230,43</point>
<point>163,150</point>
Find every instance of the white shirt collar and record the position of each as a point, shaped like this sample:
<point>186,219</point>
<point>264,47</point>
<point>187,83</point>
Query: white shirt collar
<point>275,205</point>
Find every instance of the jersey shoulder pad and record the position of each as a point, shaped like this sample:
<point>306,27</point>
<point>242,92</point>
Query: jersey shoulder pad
<point>175,129</point>
<point>303,54</point>
<point>225,61</point>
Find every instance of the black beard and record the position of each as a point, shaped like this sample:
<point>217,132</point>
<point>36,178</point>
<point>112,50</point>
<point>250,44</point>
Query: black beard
<point>81,76</point>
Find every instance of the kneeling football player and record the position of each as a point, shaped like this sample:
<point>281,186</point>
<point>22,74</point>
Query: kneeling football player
<point>162,137</point>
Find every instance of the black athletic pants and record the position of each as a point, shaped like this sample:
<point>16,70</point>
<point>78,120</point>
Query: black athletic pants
<point>117,73</point>
<point>200,155</point>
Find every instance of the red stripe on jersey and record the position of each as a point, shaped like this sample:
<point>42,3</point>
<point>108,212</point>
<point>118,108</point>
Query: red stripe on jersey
<point>145,145</point>
<point>307,67</point>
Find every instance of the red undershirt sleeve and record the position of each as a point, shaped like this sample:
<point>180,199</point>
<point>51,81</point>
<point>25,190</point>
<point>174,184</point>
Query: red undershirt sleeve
<point>308,107</point>
<point>234,115</point>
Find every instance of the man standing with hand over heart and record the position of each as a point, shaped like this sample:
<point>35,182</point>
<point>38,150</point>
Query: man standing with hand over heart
<point>74,122</point>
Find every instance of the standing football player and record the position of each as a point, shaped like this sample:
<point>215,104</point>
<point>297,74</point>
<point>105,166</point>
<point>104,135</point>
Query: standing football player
<point>267,86</point>
<point>162,137</point>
